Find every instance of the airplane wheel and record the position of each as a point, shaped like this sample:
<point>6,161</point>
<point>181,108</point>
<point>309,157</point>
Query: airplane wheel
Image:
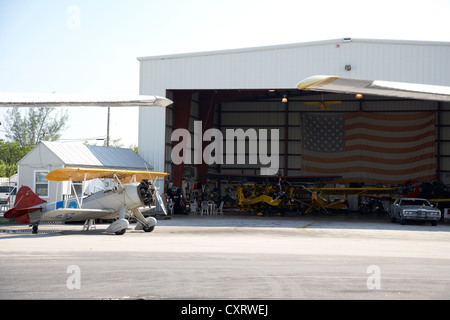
<point>120,232</point>
<point>149,229</point>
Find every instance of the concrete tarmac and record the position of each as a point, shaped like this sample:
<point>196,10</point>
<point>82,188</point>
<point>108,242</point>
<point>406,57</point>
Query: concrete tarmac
<point>230,257</point>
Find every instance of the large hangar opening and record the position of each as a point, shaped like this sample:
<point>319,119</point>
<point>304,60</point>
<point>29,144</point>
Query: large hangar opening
<point>247,100</point>
<point>371,141</point>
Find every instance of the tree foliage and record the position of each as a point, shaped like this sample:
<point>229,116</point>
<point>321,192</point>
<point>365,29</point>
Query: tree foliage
<point>37,124</point>
<point>10,154</point>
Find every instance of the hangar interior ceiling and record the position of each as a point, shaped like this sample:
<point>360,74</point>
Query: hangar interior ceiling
<point>264,109</point>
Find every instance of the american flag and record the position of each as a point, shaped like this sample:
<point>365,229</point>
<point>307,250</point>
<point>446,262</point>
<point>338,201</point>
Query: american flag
<point>371,148</point>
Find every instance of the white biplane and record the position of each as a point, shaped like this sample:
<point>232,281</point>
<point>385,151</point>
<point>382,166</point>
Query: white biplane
<point>131,191</point>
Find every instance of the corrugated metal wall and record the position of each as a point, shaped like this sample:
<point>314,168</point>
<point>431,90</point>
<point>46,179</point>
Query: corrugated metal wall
<point>282,67</point>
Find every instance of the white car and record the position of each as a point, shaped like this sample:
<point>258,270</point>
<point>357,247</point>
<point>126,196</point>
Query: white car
<point>5,192</point>
<point>418,209</point>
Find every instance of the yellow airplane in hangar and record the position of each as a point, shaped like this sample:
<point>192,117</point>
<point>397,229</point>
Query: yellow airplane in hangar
<point>290,197</point>
<point>288,192</point>
<point>133,190</point>
<point>324,199</point>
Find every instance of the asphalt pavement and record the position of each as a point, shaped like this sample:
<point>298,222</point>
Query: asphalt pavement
<point>230,257</point>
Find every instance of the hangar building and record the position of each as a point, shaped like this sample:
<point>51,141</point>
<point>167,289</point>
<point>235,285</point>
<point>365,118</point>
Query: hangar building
<point>255,88</point>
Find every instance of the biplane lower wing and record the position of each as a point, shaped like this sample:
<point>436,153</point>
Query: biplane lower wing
<point>318,201</point>
<point>327,83</point>
<point>70,214</point>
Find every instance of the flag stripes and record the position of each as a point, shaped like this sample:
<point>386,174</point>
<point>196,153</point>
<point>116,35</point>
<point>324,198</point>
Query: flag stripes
<point>372,148</point>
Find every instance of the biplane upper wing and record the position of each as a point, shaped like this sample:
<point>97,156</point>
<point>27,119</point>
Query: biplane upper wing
<point>375,87</point>
<point>78,174</point>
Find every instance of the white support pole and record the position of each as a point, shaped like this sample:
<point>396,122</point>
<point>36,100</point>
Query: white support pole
<point>75,192</point>
<point>83,189</point>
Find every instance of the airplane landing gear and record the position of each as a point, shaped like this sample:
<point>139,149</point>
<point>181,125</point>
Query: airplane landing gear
<point>118,227</point>
<point>146,224</point>
<point>120,232</point>
<point>34,227</point>
<point>148,229</point>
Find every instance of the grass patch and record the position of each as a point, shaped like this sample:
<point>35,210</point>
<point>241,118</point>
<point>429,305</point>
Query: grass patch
<point>6,221</point>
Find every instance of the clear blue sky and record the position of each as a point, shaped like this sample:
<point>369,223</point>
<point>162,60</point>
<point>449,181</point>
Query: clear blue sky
<point>91,46</point>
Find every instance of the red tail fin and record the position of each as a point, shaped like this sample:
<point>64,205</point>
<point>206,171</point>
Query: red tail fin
<point>26,201</point>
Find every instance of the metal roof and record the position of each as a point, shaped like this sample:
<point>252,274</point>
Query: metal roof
<point>77,155</point>
<point>283,66</point>
<point>293,45</point>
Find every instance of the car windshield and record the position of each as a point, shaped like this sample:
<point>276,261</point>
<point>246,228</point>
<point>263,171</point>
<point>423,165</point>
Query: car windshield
<point>5,189</point>
<point>412,202</point>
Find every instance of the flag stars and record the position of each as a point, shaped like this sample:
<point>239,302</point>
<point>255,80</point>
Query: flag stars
<point>324,133</point>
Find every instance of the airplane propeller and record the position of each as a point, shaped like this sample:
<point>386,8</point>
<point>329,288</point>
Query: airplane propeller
<point>144,192</point>
<point>147,197</point>
<point>160,201</point>
<point>158,197</point>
